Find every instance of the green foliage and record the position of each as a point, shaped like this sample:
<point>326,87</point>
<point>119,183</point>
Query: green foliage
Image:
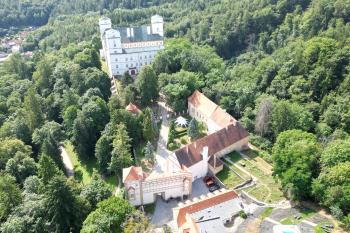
<point>148,130</point>
<point>147,85</point>
<point>121,156</point>
<point>294,156</point>
<point>96,191</point>
<point>108,217</point>
<point>137,222</point>
<point>193,130</point>
<point>10,195</point>
<point>149,152</point>
<point>47,169</point>
<point>9,148</point>
<point>336,152</point>
<point>21,166</point>
<point>103,152</point>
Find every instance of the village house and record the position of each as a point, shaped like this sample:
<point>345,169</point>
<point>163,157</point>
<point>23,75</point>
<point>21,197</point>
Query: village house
<point>127,49</point>
<point>208,214</point>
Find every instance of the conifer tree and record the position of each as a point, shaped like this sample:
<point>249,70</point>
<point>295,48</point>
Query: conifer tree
<point>193,131</point>
<point>149,151</point>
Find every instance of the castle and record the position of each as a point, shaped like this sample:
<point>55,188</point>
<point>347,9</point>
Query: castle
<point>127,49</point>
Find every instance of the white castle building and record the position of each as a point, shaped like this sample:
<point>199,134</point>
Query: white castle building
<point>127,49</point>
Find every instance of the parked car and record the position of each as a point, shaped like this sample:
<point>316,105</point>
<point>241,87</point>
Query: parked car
<point>214,187</point>
<point>209,181</point>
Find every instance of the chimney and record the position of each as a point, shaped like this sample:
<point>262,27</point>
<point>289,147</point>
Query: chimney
<point>128,32</point>
<point>148,30</point>
<point>205,152</point>
<point>132,32</point>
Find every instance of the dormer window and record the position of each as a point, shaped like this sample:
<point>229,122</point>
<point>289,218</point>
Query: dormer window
<point>126,59</point>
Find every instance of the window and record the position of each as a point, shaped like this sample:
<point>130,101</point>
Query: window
<point>131,193</point>
<point>132,65</point>
<point>116,59</point>
<point>131,59</point>
<point>149,56</point>
<point>116,66</point>
<point>127,65</point>
<point>126,59</point>
<point>140,57</point>
<point>145,57</point>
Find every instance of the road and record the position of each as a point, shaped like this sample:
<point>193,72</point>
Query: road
<point>162,152</point>
<point>67,162</point>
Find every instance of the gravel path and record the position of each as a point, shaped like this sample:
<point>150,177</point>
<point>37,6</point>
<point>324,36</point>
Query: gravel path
<point>67,162</point>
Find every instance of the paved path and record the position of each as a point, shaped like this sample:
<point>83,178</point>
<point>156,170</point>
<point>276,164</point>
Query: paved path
<point>162,152</point>
<point>67,162</point>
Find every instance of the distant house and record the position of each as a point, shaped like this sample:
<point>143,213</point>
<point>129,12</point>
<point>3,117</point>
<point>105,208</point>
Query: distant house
<point>208,214</point>
<point>142,188</point>
<point>132,108</point>
<point>127,49</point>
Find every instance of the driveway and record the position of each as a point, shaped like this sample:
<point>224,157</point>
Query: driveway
<point>199,188</point>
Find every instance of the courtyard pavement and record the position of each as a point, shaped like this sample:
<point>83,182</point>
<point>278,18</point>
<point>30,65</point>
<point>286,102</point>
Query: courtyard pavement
<point>163,213</point>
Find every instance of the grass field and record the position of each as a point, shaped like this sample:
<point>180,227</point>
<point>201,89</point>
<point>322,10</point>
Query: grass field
<point>267,189</point>
<point>304,214</point>
<point>266,213</point>
<point>228,178</point>
<point>88,168</point>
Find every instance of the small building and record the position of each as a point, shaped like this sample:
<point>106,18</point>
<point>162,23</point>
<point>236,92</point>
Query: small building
<point>142,188</point>
<point>132,108</point>
<point>127,49</point>
<point>209,214</point>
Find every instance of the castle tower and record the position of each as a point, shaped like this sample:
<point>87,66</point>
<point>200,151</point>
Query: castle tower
<point>157,25</point>
<point>104,23</point>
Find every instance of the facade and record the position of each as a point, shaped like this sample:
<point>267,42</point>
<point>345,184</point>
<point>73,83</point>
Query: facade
<point>142,188</point>
<point>127,49</point>
<point>208,214</point>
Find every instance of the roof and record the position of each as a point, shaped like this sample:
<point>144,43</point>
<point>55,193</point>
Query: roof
<point>218,162</point>
<point>202,204</point>
<point>210,109</point>
<point>132,108</point>
<point>216,142</point>
<point>140,34</point>
<point>133,173</point>
<point>204,104</point>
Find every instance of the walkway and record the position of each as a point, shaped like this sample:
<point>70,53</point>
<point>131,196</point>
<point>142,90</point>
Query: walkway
<point>67,162</point>
<point>162,152</point>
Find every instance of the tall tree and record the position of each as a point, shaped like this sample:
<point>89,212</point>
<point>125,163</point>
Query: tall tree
<point>21,166</point>
<point>193,129</point>
<point>121,156</point>
<point>10,195</point>
<point>148,130</point>
<point>147,85</point>
<point>33,110</point>
<point>96,191</point>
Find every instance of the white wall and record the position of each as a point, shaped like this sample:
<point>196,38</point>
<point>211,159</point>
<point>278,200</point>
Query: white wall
<point>199,170</point>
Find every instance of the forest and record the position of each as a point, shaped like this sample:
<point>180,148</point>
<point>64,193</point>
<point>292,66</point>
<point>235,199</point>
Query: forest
<point>280,67</point>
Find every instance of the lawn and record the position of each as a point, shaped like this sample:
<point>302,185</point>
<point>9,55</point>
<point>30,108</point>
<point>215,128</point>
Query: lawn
<point>304,214</point>
<point>87,168</point>
<point>266,213</point>
<point>319,229</point>
<point>267,189</point>
<point>228,178</point>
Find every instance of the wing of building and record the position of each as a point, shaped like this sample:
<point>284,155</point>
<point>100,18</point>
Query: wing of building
<point>209,214</point>
<point>127,49</point>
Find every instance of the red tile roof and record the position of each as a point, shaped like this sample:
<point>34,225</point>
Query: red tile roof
<point>133,173</point>
<point>204,204</point>
<point>216,142</point>
<point>132,108</point>
<point>201,102</point>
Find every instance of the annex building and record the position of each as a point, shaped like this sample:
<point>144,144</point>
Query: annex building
<point>193,161</point>
<point>127,49</point>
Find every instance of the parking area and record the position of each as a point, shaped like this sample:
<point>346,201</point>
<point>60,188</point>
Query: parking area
<point>163,213</point>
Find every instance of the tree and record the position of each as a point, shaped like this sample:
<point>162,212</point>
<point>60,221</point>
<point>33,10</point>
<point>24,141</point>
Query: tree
<point>335,153</point>
<point>136,222</point>
<point>33,110</point>
<point>294,156</point>
<point>148,130</point>
<point>47,169</point>
<point>65,209</point>
<point>108,217</point>
<point>103,153</point>
<point>121,156</point>
<point>332,187</point>
<point>10,195</point>
<point>96,191</point>
<point>193,129</point>
<point>21,166</point>
<point>149,152</point>
<point>9,148</point>
<point>126,79</point>
<point>263,117</point>
<point>147,85</point>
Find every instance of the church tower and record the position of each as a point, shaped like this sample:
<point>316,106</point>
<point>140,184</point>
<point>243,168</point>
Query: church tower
<point>157,25</point>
